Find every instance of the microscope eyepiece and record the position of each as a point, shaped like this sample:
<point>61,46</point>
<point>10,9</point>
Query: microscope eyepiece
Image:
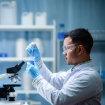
<point>21,64</point>
<point>16,68</point>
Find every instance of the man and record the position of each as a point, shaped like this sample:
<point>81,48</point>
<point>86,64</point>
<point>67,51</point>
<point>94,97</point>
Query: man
<point>81,85</point>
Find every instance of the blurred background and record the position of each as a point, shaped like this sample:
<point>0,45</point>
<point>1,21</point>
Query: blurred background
<point>45,23</point>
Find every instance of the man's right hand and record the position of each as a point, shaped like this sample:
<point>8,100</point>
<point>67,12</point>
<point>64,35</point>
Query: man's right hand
<point>33,51</point>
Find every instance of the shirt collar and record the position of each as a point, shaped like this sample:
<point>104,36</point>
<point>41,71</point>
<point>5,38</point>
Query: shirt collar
<point>82,65</point>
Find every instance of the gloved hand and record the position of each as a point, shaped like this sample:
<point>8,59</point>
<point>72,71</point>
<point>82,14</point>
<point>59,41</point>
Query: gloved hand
<point>32,70</point>
<point>33,52</point>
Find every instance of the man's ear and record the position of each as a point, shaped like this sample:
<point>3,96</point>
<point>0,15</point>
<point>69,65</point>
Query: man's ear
<point>80,49</point>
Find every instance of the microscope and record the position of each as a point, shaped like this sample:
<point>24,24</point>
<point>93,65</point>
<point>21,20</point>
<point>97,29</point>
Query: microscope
<point>8,88</point>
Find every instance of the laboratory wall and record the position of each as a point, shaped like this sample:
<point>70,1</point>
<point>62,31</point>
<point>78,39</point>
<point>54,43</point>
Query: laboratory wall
<point>89,14</point>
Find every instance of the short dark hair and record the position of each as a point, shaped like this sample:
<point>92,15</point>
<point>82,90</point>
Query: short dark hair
<point>81,36</point>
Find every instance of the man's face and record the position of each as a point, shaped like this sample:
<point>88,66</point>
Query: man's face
<point>70,54</point>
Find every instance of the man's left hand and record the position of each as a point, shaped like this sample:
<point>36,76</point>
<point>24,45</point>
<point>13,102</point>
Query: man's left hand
<point>32,70</point>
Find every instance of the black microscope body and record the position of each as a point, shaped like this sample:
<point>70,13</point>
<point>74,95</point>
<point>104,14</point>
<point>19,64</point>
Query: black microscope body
<point>7,88</point>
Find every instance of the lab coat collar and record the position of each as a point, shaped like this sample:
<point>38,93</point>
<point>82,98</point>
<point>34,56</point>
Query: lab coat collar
<point>83,65</point>
<point>78,68</point>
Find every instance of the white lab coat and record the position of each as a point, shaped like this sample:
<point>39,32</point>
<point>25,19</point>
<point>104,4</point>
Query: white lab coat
<point>82,86</point>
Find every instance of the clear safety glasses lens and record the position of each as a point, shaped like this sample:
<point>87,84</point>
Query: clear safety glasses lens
<point>69,47</point>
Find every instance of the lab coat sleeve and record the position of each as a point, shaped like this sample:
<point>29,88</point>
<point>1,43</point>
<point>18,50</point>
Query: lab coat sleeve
<point>55,79</point>
<point>71,93</point>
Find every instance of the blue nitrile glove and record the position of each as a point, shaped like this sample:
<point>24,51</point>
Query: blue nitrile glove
<point>33,51</point>
<point>32,70</point>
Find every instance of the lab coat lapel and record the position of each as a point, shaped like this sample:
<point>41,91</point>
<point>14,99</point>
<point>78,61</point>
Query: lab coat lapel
<point>77,68</point>
<point>70,74</point>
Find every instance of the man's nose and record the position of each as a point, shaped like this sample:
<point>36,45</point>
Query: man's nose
<point>64,53</point>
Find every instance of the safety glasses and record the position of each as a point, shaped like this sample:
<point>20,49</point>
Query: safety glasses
<point>69,48</point>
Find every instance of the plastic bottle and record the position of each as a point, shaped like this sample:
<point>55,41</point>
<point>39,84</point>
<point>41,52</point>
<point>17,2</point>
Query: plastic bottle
<point>61,32</point>
<point>3,45</point>
<point>8,13</point>
<point>26,81</point>
<point>21,45</point>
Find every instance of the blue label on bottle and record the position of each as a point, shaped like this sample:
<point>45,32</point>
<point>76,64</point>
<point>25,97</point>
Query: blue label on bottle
<point>61,35</point>
<point>102,74</point>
